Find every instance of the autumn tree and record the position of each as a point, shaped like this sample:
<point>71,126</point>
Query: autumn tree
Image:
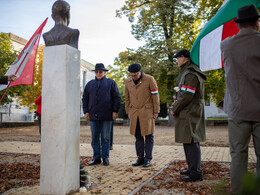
<point>167,26</point>
<point>7,57</point>
<point>31,92</point>
<point>156,24</point>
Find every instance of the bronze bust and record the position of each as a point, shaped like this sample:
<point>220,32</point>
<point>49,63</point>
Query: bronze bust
<point>61,34</point>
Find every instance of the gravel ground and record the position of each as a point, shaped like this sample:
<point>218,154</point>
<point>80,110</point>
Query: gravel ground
<point>164,135</point>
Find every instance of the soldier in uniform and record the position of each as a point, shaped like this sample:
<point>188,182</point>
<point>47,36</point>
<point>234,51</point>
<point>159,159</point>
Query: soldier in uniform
<point>142,105</point>
<point>188,111</point>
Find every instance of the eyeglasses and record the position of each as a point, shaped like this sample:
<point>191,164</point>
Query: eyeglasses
<point>99,71</point>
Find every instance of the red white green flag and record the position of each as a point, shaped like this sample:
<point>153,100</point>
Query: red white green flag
<point>205,51</point>
<point>23,66</point>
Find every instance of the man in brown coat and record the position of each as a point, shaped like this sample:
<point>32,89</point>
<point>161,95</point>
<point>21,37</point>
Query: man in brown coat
<point>188,111</point>
<point>241,58</point>
<point>142,105</point>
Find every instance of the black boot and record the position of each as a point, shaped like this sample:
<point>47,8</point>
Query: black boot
<point>95,162</point>
<point>147,163</point>
<point>140,161</point>
<point>185,172</point>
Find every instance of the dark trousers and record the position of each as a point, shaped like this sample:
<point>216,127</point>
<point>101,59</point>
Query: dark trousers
<point>144,147</point>
<point>240,133</point>
<point>193,157</point>
<point>39,121</point>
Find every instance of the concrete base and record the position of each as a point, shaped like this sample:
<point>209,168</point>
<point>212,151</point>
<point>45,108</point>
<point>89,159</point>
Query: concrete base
<point>60,120</point>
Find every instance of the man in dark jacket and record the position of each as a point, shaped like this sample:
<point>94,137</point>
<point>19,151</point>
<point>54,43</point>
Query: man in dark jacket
<point>101,103</point>
<point>241,58</point>
<point>188,111</point>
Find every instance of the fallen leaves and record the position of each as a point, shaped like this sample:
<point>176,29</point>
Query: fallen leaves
<point>17,170</point>
<point>169,180</point>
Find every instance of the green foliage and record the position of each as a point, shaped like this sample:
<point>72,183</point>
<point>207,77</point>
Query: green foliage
<point>163,111</point>
<point>7,57</point>
<point>215,85</point>
<point>119,71</point>
<point>250,185</point>
<point>156,23</point>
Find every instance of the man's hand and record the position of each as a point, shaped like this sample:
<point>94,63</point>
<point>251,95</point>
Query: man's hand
<point>155,116</point>
<point>87,116</point>
<point>12,77</point>
<point>115,115</point>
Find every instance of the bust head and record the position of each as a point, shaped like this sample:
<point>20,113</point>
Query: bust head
<point>61,11</point>
<point>61,34</point>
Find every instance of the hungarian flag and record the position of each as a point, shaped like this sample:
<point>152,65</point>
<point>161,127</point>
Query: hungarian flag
<point>205,51</point>
<point>23,66</point>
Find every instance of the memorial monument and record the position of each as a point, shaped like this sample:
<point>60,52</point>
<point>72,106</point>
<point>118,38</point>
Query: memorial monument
<point>60,157</point>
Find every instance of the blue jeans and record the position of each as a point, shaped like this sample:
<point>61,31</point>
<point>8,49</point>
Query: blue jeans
<point>102,128</point>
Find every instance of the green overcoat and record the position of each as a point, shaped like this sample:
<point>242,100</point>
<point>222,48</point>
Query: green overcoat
<point>189,105</point>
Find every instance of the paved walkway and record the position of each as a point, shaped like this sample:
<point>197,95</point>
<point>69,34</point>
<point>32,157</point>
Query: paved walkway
<point>120,177</point>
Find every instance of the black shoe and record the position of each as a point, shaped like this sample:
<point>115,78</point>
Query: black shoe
<point>185,172</point>
<point>105,162</point>
<point>111,148</point>
<point>140,161</point>
<point>95,162</point>
<point>147,163</point>
<point>190,178</point>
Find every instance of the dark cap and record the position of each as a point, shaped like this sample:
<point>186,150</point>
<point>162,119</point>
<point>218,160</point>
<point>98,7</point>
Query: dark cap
<point>134,67</point>
<point>247,13</point>
<point>182,53</point>
<point>100,66</point>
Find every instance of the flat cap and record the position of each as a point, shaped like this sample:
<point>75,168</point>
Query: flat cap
<point>182,53</point>
<point>134,67</point>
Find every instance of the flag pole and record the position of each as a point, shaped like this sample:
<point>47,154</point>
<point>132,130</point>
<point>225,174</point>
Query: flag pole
<point>11,81</point>
<point>5,91</point>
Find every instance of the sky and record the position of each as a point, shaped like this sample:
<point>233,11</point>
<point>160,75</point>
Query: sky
<point>102,35</point>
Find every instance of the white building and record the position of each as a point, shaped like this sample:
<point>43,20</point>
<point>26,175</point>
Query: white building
<point>212,111</point>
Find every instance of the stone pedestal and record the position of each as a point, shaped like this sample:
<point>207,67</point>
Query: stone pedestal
<point>60,120</point>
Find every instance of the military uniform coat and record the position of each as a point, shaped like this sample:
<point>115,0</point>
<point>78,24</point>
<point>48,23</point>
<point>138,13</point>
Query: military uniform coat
<point>189,106</point>
<point>142,101</point>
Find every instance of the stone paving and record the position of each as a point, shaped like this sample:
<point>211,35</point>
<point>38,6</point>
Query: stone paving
<point>120,177</point>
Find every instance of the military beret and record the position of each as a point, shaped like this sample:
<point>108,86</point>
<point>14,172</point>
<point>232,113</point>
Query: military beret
<point>134,67</point>
<point>184,52</point>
